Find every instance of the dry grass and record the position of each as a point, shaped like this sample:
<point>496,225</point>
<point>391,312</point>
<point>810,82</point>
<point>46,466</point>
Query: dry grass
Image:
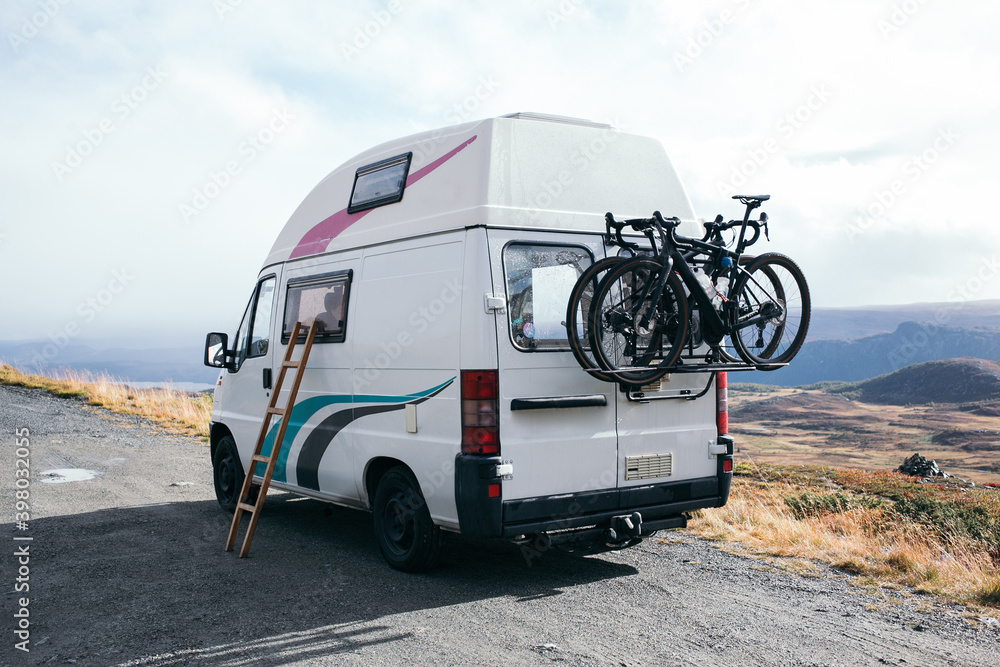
<point>792,426</point>
<point>936,539</point>
<point>176,411</point>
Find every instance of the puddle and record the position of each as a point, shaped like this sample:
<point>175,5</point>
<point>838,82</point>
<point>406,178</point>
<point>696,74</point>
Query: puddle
<point>61,475</point>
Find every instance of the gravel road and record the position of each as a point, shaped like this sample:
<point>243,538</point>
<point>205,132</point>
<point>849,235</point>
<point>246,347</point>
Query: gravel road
<point>128,568</point>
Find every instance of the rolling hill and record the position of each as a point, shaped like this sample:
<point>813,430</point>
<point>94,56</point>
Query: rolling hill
<point>870,356</point>
<point>964,380</point>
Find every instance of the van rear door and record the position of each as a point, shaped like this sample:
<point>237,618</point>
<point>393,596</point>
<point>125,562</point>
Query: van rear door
<point>557,423</point>
<point>566,432</point>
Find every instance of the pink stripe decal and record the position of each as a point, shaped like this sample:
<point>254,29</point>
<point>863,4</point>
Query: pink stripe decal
<point>318,238</point>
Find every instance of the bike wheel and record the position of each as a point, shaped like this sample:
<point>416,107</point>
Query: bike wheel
<point>577,322</point>
<point>630,328</point>
<point>727,349</point>
<point>773,307</point>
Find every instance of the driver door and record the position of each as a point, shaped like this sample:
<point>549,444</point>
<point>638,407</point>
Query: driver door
<point>250,381</point>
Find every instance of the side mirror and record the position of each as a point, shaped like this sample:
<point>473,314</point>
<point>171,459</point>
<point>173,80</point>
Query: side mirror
<point>216,347</point>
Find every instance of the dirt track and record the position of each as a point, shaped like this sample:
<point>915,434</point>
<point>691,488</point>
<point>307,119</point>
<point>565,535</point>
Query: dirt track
<point>128,568</point>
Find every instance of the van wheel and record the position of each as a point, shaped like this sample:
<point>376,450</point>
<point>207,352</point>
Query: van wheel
<point>228,473</point>
<point>406,534</point>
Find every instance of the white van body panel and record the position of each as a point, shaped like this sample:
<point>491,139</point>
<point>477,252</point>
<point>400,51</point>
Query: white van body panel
<point>429,295</point>
<point>495,172</point>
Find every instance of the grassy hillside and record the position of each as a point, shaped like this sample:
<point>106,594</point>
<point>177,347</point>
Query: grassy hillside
<point>176,411</point>
<point>893,531</point>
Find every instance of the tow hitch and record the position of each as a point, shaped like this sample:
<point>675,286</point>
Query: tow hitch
<point>624,531</point>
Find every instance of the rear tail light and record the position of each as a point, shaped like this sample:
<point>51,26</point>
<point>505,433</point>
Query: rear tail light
<point>722,402</point>
<point>480,412</point>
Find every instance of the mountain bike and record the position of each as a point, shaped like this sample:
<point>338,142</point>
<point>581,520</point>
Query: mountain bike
<point>639,316</point>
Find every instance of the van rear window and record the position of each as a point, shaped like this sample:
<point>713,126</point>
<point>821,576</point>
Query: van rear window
<point>323,298</point>
<point>539,281</point>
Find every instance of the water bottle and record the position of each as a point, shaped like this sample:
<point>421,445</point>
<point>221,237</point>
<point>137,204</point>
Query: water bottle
<point>722,284</point>
<point>722,287</point>
<point>706,284</point>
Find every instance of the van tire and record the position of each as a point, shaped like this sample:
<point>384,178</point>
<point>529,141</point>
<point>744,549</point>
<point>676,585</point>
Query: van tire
<point>228,473</point>
<point>407,536</point>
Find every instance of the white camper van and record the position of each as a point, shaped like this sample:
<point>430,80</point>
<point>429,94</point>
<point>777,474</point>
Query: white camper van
<point>441,393</point>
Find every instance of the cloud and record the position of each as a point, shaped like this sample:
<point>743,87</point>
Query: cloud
<point>744,108</point>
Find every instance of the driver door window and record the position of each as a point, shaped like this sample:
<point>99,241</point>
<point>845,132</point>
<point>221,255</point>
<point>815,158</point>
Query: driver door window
<point>253,338</point>
<point>260,333</point>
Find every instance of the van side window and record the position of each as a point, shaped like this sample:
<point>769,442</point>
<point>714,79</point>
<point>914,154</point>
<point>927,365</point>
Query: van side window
<point>380,183</point>
<point>318,298</point>
<point>539,281</point>
<point>241,334</point>
<point>253,337</point>
<point>260,332</point>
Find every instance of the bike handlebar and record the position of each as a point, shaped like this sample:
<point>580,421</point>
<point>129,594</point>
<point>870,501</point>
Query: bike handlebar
<point>713,230</point>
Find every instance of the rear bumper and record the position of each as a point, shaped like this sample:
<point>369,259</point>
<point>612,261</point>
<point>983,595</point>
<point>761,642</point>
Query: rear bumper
<point>596,508</point>
<point>482,516</point>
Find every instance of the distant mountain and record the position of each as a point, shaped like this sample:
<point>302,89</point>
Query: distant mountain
<point>851,323</point>
<point>842,344</point>
<point>950,381</point>
<point>178,364</point>
<point>870,356</point>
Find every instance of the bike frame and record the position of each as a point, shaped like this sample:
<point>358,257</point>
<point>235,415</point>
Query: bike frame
<point>715,327</point>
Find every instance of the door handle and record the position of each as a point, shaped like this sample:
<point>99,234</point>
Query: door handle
<point>541,403</point>
<point>267,378</point>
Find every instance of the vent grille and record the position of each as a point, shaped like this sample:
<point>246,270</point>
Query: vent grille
<point>649,466</point>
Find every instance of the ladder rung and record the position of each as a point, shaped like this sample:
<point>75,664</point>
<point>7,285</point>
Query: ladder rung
<point>241,506</point>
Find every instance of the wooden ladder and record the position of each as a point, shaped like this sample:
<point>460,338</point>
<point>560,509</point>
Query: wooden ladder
<point>272,458</point>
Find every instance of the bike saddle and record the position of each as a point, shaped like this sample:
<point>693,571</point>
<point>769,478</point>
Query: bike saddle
<point>749,198</point>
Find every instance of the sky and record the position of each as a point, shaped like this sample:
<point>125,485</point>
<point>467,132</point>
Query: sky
<point>152,151</point>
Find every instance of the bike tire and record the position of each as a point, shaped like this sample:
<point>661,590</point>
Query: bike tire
<point>727,350</point>
<point>620,295</point>
<point>764,340</point>
<point>577,322</point>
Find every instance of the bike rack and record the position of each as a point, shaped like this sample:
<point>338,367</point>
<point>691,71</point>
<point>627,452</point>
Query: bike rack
<point>706,367</point>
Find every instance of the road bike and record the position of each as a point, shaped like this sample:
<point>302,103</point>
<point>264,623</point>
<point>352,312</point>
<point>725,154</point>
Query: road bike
<point>639,313</point>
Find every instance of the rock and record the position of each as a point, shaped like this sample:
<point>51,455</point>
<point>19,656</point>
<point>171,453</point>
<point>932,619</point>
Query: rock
<point>919,466</point>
